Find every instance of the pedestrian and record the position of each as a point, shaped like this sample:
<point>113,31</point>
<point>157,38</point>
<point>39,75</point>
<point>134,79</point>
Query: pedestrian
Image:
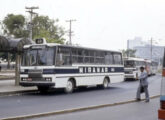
<point>143,85</point>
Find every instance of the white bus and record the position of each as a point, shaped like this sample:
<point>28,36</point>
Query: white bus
<point>154,67</point>
<point>131,67</point>
<point>50,65</point>
<point>151,67</point>
<point>148,67</point>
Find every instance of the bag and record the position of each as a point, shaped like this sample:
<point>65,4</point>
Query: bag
<point>141,89</point>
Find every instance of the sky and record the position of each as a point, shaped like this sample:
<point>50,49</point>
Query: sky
<point>104,24</point>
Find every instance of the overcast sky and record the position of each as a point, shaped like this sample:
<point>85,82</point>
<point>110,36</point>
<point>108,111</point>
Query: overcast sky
<point>106,24</point>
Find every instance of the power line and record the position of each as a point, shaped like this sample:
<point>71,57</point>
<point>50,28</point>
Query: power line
<point>31,12</point>
<point>70,30</point>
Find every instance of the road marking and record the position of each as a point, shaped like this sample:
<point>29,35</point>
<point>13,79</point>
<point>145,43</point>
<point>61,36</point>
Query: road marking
<point>72,110</point>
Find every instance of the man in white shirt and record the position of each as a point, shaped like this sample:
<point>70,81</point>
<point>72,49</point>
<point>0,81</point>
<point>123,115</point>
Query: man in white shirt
<point>143,85</point>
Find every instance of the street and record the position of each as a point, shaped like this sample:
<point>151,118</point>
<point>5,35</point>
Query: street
<point>34,103</point>
<point>132,111</point>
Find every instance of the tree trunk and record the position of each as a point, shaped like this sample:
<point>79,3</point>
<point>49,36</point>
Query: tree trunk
<point>17,69</point>
<point>8,60</point>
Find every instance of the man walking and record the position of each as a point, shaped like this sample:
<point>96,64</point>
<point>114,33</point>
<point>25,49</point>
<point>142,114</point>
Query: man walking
<point>143,86</point>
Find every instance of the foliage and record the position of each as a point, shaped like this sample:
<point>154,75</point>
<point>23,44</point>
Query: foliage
<point>45,27</point>
<point>14,25</point>
<point>128,53</point>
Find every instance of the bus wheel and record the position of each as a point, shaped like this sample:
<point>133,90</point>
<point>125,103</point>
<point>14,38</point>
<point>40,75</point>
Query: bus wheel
<point>69,86</point>
<point>105,83</point>
<point>43,89</point>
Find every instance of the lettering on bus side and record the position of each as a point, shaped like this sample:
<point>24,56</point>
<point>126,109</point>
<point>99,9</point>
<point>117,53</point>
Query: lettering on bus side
<point>93,70</point>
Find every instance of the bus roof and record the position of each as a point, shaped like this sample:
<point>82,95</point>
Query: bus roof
<point>56,44</point>
<point>133,59</point>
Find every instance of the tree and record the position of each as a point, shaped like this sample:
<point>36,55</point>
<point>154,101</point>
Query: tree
<point>14,25</point>
<point>128,53</point>
<point>45,27</point>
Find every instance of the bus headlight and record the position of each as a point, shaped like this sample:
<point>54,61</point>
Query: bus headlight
<point>23,79</point>
<point>48,79</point>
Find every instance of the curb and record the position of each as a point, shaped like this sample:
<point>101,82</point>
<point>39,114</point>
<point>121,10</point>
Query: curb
<point>16,92</point>
<point>73,110</point>
<point>8,78</point>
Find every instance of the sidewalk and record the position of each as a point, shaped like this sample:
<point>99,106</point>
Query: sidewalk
<point>8,87</point>
<point>7,75</point>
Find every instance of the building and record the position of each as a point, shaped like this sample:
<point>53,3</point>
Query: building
<point>145,52</point>
<point>137,41</point>
<point>143,49</point>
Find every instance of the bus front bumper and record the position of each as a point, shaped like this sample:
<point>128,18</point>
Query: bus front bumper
<point>129,76</point>
<point>161,114</point>
<point>36,83</point>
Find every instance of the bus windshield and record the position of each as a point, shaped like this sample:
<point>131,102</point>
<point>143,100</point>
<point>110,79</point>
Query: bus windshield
<point>129,63</point>
<point>38,57</point>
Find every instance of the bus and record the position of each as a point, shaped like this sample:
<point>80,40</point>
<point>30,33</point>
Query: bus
<point>50,65</point>
<point>154,67</point>
<point>148,67</point>
<point>132,67</point>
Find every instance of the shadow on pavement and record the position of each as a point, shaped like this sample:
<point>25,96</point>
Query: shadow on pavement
<point>56,92</point>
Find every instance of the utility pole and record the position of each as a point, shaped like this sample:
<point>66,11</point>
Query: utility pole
<point>127,48</point>
<point>151,47</point>
<point>70,30</point>
<point>30,10</point>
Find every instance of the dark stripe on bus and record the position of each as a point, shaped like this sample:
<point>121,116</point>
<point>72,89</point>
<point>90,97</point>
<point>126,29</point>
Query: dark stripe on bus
<point>76,71</point>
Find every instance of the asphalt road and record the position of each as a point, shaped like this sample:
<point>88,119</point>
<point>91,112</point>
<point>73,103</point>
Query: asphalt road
<point>11,106</point>
<point>132,111</point>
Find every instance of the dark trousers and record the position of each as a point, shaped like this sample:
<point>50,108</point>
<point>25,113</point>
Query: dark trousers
<point>145,91</point>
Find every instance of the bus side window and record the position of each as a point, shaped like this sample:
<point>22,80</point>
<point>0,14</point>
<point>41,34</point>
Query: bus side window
<point>86,57</point>
<point>59,60</point>
<point>80,56</point>
<point>63,56</point>
<point>108,58</point>
<point>99,57</point>
<point>117,58</point>
<point>74,55</point>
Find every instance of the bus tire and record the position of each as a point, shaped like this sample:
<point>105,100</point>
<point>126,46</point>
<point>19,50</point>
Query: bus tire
<point>105,84</point>
<point>43,89</point>
<point>69,86</point>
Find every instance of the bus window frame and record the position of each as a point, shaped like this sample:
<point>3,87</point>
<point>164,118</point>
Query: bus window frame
<point>57,53</point>
<point>54,56</point>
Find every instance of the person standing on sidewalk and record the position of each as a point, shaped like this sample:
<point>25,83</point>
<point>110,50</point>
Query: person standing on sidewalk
<point>143,85</point>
